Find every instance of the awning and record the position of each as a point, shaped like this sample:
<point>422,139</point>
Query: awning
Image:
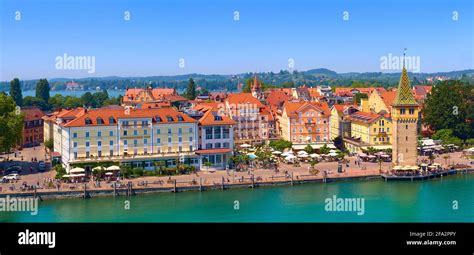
<point>377,147</point>
<point>315,146</point>
<point>77,170</point>
<point>214,151</point>
<point>113,168</point>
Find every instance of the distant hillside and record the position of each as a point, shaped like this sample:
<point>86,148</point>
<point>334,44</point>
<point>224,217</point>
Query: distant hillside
<point>313,77</point>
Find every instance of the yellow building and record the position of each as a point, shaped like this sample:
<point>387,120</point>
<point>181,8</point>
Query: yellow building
<point>368,130</point>
<point>338,124</point>
<point>136,137</point>
<point>380,101</point>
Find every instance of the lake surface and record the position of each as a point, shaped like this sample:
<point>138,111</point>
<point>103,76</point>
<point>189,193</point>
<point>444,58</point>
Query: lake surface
<point>418,201</point>
<point>111,92</point>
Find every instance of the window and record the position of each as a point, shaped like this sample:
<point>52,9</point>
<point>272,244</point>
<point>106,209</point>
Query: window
<point>125,142</point>
<point>375,139</point>
<point>375,130</point>
<point>217,132</point>
<point>87,144</point>
<point>145,141</point>
<point>208,132</point>
<point>217,145</point>
<point>208,145</point>
<point>75,144</point>
<point>406,138</point>
<point>406,126</point>
<point>135,132</point>
<point>135,142</point>
<point>111,133</point>
<point>180,118</point>
<point>99,134</point>
<point>225,131</point>
<point>88,121</point>
<point>87,134</point>
<point>158,131</point>
<point>180,131</point>
<point>191,130</point>
<point>111,120</point>
<point>111,153</point>
<point>75,155</point>
<point>180,139</point>
<point>180,148</point>
<point>74,135</point>
<point>87,154</point>
<point>190,148</point>
<point>301,130</point>
<point>294,130</point>
<point>226,145</point>
<point>125,133</point>
<point>99,153</point>
<point>402,111</point>
<point>388,139</point>
<point>100,121</point>
<point>169,139</point>
<point>158,119</point>
<point>99,143</point>
<point>111,143</point>
<point>169,118</point>
<point>144,122</point>
<point>145,132</point>
<point>411,111</point>
<point>169,131</point>
<point>190,138</point>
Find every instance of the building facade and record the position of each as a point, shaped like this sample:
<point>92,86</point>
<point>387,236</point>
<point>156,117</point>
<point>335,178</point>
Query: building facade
<point>33,132</point>
<point>305,122</point>
<point>135,137</point>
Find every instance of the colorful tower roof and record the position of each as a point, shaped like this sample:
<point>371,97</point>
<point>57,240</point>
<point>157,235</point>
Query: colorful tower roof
<point>404,94</point>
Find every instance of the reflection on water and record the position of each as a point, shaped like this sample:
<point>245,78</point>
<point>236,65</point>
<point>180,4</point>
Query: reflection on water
<point>419,201</point>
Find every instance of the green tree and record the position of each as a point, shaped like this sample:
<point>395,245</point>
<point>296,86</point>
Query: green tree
<point>11,123</point>
<point>72,102</point>
<point>324,150</point>
<point>308,149</point>
<point>34,101</point>
<point>49,144</point>
<point>15,92</point>
<point>42,90</point>
<point>450,105</point>
<point>88,100</point>
<point>447,136</point>
<point>359,96</point>
<point>191,90</point>
<point>280,145</point>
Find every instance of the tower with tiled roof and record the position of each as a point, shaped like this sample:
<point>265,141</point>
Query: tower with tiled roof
<point>256,89</point>
<point>405,110</point>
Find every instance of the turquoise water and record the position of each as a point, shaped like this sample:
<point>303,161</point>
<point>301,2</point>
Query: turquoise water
<point>419,201</point>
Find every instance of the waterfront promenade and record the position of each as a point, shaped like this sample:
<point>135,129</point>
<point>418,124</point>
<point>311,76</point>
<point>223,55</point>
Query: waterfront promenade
<point>287,174</point>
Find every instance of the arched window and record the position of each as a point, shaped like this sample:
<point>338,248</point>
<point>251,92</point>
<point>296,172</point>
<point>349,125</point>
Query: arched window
<point>88,121</point>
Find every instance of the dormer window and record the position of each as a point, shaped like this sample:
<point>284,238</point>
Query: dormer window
<point>100,121</point>
<point>180,118</point>
<point>158,119</point>
<point>88,121</point>
<point>170,119</point>
<point>112,120</point>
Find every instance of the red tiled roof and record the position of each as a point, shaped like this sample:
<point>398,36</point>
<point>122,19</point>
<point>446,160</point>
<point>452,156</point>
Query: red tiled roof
<point>105,114</point>
<point>243,98</point>
<point>341,107</point>
<point>32,113</point>
<point>208,119</point>
<point>156,93</point>
<point>348,91</point>
<point>365,117</point>
<point>275,98</point>
<point>388,97</point>
<point>292,108</point>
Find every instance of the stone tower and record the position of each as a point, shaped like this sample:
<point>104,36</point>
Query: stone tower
<point>405,122</point>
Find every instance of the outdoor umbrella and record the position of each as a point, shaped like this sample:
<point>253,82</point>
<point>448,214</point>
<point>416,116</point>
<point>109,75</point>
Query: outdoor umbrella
<point>77,170</point>
<point>113,168</point>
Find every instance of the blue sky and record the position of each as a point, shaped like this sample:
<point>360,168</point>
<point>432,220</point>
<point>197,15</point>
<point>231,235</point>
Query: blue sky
<point>205,34</point>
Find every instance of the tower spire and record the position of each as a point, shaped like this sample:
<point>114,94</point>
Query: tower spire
<point>404,57</point>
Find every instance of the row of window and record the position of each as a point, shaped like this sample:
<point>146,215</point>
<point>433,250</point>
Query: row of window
<point>135,151</point>
<point>217,145</point>
<point>318,139</point>
<point>293,121</point>
<point>411,111</point>
<point>135,132</point>
<point>135,142</point>
<point>217,132</point>
<point>310,130</point>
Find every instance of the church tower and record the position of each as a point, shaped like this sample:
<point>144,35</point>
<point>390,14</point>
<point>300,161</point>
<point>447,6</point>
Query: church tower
<point>405,123</point>
<point>256,89</point>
